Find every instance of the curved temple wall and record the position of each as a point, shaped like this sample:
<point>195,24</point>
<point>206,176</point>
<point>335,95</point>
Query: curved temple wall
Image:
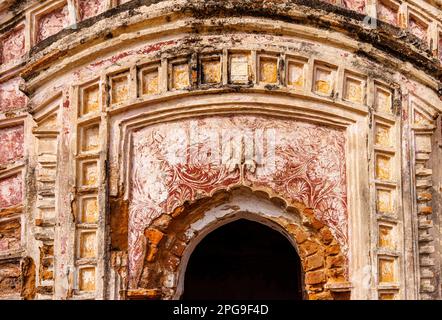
<point>126,125</point>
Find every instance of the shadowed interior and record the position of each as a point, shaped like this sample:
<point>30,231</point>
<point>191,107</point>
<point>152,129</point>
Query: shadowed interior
<point>243,260</point>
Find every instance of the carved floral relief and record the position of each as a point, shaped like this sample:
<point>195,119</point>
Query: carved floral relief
<point>189,159</point>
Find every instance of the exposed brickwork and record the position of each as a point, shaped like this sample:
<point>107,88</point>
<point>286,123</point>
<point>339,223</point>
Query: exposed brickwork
<point>10,279</point>
<point>322,261</point>
<point>10,235</point>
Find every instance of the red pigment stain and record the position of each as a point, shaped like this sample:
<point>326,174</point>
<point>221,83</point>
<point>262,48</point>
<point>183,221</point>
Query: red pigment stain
<point>11,191</point>
<point>11,147</point>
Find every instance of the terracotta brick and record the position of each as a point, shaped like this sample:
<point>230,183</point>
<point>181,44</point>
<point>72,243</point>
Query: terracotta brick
<point>320,296</point>
<point>335,261</point>
<point>326,235</point>
<point>425,210</point>
<point>154,236</point>
<point>315,277</point>
<point>424,196</point>
<point>182,237</point>
<point>309,212</point>
<point>314,288</point>
<point>47,275</point>
<point>10,282</point>
<point>308,248</point>
<point>299,235</point>
<point>316,224</point>
<point>333,250</point>
<point>335,275</point>
<point>311,219</point>
<point>314,262</point>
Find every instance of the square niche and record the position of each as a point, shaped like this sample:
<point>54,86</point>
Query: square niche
<point>119,87</point>
<point>179,76</point>
<point>383,99</point>
<point>324,79</point>
<point>148,76</point>
<point>89,99</point>
<point>268,69</point>
<point>210,69</point>
<point>295,74</point>
<point>239,68</point>
<point>354,88</point>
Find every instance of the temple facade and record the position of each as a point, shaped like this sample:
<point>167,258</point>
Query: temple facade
<point>133,132</point>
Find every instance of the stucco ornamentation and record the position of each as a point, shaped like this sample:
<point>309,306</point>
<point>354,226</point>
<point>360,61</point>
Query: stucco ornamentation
<point>187,160</point>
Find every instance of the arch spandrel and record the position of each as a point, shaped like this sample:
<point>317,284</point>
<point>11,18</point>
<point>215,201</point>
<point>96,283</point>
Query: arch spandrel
<point>182,161</point>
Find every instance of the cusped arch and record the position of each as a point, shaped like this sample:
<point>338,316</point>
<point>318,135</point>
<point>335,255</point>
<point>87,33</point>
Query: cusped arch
<point>311,173</point>
<point>172,237</point>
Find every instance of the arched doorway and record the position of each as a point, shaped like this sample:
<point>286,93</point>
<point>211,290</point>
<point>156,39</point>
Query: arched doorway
<point>243,260</point>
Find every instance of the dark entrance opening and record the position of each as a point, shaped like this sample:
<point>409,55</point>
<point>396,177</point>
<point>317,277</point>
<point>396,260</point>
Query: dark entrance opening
<point>243,260</point>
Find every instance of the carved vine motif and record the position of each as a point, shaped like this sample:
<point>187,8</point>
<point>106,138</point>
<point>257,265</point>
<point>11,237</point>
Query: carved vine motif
<point>185,160</point>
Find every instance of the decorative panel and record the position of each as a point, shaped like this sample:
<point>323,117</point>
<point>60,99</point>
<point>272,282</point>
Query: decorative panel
<point>88,210</point>
<point>383,167</point>
<point>354,88</point>
<point>418,27</point>
<point>387,12</point>
<point>386,237</point>
<point>268,69</point>
<point>13,45</point>
<point>210,70</point>
<point>87,279</point>
<point>89,173</point>
<point>386,270</point>
<point>11,98</point>
<point>87,244</point>
<point>324,80</point>
<point>179,75</point>
<point>239,68</point>
<point>356,5</point>
<point>384,201</point>
<point>52,22</point>
<point>149,80</point>
<point>11,191</point>
<point>295,74</point>
<point>10,234</point>
<point>119,87</point>
<point>10,279</point>
<point>383,100</point>
<point>11,146</point>
<point>383,135</point>
<point>90,96</point>
<point>90,138</point>
<point>90,8</point>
